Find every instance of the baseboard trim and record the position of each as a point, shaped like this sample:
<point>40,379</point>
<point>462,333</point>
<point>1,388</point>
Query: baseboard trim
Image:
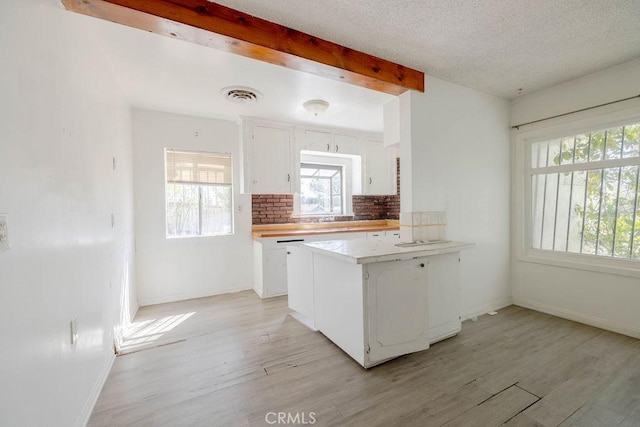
<point>90,403</point>
<point>483,309</point>
<point>190,295</point>
<point>304,320</point>
<point>132,313</point>
<point>258,291</point>
<point>578,317</point>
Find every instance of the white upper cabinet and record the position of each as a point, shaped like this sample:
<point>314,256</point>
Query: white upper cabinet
<point>267,158</point>
<point>327,142</point>
<point>380,169</point>
<point>317,141</point>
<point>345,144</point>
<point>271,158</point>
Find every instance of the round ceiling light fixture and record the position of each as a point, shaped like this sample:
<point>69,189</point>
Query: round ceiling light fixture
<point>316,106</point>
<point>241,94</point>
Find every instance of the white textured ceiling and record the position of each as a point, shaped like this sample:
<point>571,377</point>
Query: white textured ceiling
<point>165,74</point>
<point>496,46</point>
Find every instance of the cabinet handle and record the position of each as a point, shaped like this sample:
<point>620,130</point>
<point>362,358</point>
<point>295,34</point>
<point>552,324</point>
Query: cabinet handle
<point>328,148</point>
<point>369,180</point>
<point>288,177</point>
<point>422,265</point>
<point>288,253</point>
<point>337,148</point>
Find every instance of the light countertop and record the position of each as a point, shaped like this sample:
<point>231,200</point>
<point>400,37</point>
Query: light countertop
<point>364,251</point>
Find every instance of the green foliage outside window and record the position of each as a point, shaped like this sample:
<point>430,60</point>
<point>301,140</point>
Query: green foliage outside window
<point>602,215</point>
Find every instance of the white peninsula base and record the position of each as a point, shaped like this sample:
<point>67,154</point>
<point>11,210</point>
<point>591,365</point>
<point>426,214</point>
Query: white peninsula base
<point>374,300</point>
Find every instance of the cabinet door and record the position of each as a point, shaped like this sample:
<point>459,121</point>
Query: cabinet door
<point>327,142</point>
<point>269,160</point>
<point>318,141</point>
<point>444,296</point>
<point>300,280</point>
<point>274,270</point>
<point>344,144</point>
<point>398,308</point>
<point>380,174</point>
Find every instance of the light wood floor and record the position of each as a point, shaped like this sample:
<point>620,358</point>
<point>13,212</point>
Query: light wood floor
<point>230,360</point>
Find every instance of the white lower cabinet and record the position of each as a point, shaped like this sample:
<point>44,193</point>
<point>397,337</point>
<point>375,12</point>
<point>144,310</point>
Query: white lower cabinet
<point>376,234</point>
<point>378,310</point>
<point>270,270</point>
<point>270,260</point>
<point>443,279</point>
<point>398,308</point>
<point>393,234</point>
<point>300,275</point>
<point>390,234</point>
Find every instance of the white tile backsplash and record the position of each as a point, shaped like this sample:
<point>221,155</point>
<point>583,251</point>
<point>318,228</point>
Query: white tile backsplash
<point>424,226</point>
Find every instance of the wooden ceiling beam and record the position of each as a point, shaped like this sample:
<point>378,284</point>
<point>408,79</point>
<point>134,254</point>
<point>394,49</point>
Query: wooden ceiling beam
<point>223,28</point>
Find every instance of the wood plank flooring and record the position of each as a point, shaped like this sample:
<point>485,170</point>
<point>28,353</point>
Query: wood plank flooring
<point>231,360</point>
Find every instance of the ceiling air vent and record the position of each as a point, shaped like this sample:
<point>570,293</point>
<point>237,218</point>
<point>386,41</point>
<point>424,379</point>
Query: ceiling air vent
<point>241,94</point>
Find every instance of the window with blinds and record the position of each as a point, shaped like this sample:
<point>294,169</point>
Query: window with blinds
<point>199,193</point>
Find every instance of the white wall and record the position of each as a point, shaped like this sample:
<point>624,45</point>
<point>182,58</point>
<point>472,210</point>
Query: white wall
<point>182,268</point>
<point>605,300</point>
<point>458,162</point>
<point>62,120</point>
<point>608,85</point>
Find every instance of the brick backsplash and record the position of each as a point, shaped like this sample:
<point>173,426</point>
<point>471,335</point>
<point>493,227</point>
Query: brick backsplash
<point>278,208</point>
<point>376,207</point>
<point>272,208</point>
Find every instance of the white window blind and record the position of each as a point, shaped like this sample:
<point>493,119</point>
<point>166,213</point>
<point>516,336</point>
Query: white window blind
<point>198,168</point>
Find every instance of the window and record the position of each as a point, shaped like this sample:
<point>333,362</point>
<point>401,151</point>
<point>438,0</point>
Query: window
<point>584,193</point>
<point>321,189</point>
<point>199,194</point>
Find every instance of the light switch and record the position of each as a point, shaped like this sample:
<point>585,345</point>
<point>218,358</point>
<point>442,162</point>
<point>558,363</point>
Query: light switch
<point>4,232</point>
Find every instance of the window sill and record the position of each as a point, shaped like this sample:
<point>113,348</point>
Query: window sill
<point>618,267</point>
<point>325,218</point>
<point>198,236</point>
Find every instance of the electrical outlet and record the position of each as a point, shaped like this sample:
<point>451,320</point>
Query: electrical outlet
<point>73,329</point>
<point>4,232</point>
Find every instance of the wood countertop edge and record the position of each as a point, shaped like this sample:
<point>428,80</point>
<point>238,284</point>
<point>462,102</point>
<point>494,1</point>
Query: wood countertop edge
<point>265,231</point>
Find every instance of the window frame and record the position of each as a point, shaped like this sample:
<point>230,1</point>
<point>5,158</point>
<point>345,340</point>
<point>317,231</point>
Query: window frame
<point>199,186</point>
<point>326,166</point>
<point>522,170</point>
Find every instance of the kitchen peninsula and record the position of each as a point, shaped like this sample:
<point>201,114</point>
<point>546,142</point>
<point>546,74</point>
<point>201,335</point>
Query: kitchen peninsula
<point>377,299</point>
